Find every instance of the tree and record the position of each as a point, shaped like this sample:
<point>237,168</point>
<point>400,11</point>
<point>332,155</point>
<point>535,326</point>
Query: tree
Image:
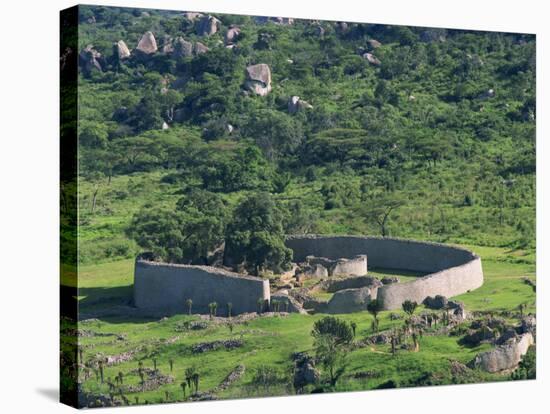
<point>275,132</point>
<point>185,234</point>
<point>353,327</point>
<point>183,386</point>
<point>409,307</point>
<point>332,337</point>
<point>255,236</point>
<point>229,308</point>
<point>379,210</point>
<point>374,307</point>
<point>189,304</point>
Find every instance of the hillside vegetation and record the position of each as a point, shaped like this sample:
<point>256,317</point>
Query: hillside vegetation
<point>441,126</point>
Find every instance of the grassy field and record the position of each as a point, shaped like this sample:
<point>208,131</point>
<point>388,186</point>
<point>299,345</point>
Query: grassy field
<point>269,341</point>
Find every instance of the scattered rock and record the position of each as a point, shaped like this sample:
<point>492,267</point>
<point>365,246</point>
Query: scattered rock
<point>507,335</point>
<point>147,44</point>
<point>436,302</point>
<point>258,79</point>
<point>476,337</point>
<point>192,16</point>
<point>458,369</point>
<point>373,43</point>
<point>233,376</point>
<point>200,48</point>
<point>232,34</point>
<point>208,25</point>
<point>295,104</point>
<point>182,48</point>
<point>288,303</point>
<point>389,280</point>
<point>373,60</point>
<point>349,300</point>
<point>90,59</point>
<point>528,325</point>
<point>211,346</point>
<point>503,357</point>
<point>305,372</point>
<point>487,94</point>
<point>165,126</point>
<point>342,27</point>
<point>121,50</point>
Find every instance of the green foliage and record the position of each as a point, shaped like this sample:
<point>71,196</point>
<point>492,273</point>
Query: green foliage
<point>255,236</point>
<point>409,307</point>
<point>186,234</point>
<point>332,337</point>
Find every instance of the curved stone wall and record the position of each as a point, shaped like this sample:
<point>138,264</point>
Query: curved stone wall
<point>167,286</point>
<point>451,270</point>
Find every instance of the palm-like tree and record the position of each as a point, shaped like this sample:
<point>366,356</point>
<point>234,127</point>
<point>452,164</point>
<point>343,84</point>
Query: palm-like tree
<point>261,304</point>
<point>100,366</point>
<point>189,303</point>
<point>353,328</point>
<point>183,386</point>
<point>374,307</point>
<point>409,307</point>
<point>155,364</point>
<point>415,342</point>
<point>121,377</point>
<point>136,398</point>
<point>171,363</point>
<point>229,309</point>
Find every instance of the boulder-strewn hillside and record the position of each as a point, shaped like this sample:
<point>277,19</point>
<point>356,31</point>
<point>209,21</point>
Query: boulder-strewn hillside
<point>353,128</point>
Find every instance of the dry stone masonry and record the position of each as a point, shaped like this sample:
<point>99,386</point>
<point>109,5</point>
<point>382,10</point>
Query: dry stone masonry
<point>340,260</point>
<point>450,270</point>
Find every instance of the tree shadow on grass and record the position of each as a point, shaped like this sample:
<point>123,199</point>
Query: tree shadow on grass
<point>110,304</point>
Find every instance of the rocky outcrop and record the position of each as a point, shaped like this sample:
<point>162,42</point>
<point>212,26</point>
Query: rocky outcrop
<point>349,300</point>
<point>147,44</point>
<point>389,280</point>
<point>258,79</point>
<point>192,16</point>
<point>528,325</point>
<point>121,50</point>
<point>232,34</point>
<point>182,48</point>
<point>436,302</point>
<point>305,372</point>
<point>373,43</point>
<point>503,357</point>
<point>90,59</point>
<point>373,60</point>
<point>288,303</point>
<point>295,104</point>
<point>200,48</point>
<point>208,25</point>
<point>212,346</point>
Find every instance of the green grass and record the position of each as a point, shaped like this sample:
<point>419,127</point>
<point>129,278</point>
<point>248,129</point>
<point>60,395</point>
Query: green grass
<point>270,341</point>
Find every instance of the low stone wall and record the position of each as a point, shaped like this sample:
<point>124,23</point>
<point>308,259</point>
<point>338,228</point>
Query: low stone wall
<point>166,286</point>
<point>451,270</point>
<point>356,266</point>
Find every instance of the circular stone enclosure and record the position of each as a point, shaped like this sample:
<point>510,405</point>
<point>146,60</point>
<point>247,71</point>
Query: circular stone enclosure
<point>449,270</point>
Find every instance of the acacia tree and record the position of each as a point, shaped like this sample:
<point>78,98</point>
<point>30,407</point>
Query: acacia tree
<point>332,339</point>
<point>379,210</point>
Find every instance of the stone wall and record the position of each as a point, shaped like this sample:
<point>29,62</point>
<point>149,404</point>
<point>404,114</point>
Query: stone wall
<point>164,286</point>
<point>451,270</point>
